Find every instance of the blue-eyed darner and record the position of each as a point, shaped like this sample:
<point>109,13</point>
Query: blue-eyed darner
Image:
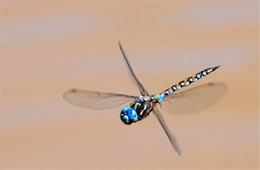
<point>192,100</point>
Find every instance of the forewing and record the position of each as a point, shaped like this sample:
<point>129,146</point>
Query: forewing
<point>195,99</point>
<point>142,90</point>
<point>170,136</point>
<point>94,99</point>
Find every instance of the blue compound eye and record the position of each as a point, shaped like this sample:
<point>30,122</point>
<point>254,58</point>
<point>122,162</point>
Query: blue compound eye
<point>128,115</point>
<point>125,119</point>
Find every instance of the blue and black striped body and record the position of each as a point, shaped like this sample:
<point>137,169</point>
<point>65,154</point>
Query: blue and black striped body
<point>143,105</point>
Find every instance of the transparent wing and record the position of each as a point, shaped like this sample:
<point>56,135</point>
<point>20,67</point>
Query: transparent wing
<point>142,90</point>
<point>170,136</point>
<point>95,100</point>
<point>195,99</point>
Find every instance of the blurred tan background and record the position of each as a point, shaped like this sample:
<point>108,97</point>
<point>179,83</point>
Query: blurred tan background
<point>49,46</point>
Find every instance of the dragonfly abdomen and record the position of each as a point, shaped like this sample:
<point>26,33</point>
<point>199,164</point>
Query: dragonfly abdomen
<point>188,81</point>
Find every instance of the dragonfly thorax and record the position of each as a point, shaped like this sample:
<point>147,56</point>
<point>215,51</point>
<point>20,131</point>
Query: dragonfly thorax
<point>137,110</point>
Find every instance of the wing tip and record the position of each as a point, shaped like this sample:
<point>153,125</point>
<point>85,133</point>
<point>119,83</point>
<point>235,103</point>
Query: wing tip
<point>73,90</point>
<point>179,152</point>
<point>119,43</point>
<point>177,149</point>
<point>67,92</point>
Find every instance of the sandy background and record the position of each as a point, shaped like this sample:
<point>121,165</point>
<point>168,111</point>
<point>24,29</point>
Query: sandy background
<point>48,46</point>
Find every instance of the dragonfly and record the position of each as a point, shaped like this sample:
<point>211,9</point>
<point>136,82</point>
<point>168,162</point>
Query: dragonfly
<point>170,100</point>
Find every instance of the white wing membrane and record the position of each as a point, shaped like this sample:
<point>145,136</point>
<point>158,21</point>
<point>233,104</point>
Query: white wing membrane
<point>195,99</point>
<point>95,100</point>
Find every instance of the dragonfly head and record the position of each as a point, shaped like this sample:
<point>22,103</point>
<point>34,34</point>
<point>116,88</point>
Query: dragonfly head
<point>128,115</point>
